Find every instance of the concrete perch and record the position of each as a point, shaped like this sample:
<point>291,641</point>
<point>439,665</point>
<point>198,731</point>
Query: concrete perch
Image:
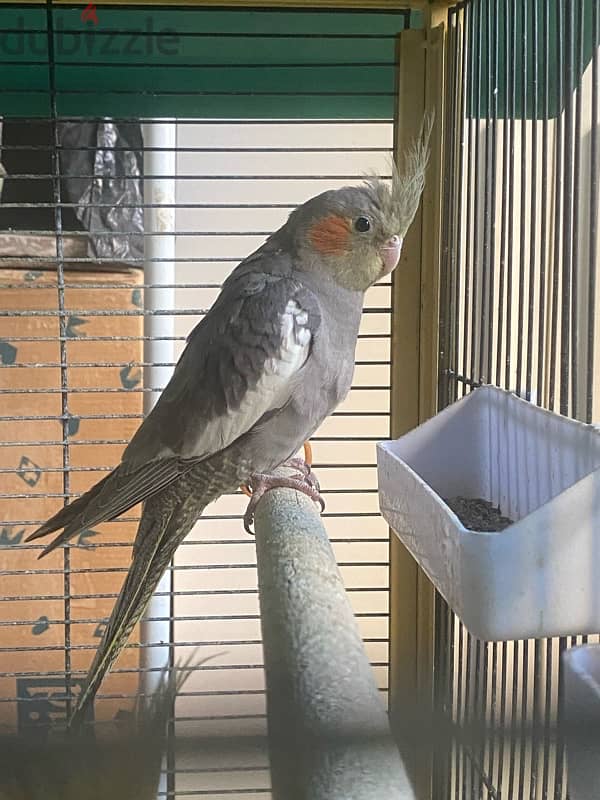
<point>329,736</point>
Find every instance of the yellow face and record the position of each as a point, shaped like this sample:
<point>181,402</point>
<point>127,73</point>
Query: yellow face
<point>359,248</point>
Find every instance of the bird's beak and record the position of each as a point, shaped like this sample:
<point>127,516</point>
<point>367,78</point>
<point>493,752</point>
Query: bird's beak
<point>390,253</point>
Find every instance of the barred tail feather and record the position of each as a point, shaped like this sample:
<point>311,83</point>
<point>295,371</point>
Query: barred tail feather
<point>167,518</point>
<point>158,537</point>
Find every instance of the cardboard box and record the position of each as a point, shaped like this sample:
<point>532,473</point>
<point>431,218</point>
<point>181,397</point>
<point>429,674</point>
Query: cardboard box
<point>104,405</point>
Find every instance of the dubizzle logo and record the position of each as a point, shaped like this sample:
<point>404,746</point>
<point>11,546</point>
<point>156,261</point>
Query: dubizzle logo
<point>89,14</point>
<point>71,37</point>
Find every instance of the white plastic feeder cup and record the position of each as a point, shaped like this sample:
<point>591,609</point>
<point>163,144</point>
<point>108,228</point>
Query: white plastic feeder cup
<point>539,576</point>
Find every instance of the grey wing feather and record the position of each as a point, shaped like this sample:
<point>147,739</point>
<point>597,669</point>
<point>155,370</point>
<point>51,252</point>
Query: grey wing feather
<point>241,362</point>
<point>113,495</point>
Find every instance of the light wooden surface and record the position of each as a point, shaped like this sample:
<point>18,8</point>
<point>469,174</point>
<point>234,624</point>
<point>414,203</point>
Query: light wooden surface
<point>414,369</point>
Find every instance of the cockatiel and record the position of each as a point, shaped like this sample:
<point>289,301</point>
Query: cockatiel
<point>268,363</point>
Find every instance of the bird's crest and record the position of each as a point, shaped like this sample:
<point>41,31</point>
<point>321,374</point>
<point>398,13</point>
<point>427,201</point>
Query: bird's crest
<point>400,202</point>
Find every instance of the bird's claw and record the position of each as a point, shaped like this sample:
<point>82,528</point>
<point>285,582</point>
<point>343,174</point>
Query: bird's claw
<point>304,481</point>
<point>301,465</point>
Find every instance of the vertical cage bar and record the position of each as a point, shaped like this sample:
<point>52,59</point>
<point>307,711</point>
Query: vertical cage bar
<point>566,364</point>
<point>545,168</point>
<point>492,47</point>
<point>514,699</point>
<point>547,718</point>
<point>511,12</point>
<point>524,760</point>
<point>477,722</point>
<point>502,721</point>
<point>160,147</point>
<point>469,775</point>
<point>447,311</point>
<point>505,208</point>
<point>440,747</point>
<point>461,87</point>
<point>62,327</point>
<point>593,231</point>
<point>536,719</point>
<point>494,716</point>
<point>559,776</point>
<point>445,752</point>
<point>557,232</point>
<point>477,321</point>
<point>469,280</point>
<point>460,745</point>
<point>575,265</point>
<point>521,260</point>
<point>533,222</point>
<point>450,699</point>
<point>487,280</point>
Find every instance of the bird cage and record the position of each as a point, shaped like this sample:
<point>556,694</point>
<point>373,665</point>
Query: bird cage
<point>146,149</point>
<point>518,251</point>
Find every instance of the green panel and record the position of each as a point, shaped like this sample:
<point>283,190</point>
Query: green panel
<point>528,23</point>
<point>200,62</point>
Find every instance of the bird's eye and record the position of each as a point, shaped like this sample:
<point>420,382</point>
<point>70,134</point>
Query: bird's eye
<point>362,224</point>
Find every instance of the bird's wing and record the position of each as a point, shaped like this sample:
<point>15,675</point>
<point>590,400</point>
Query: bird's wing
<point>241,362</point>
<point>114,494</point>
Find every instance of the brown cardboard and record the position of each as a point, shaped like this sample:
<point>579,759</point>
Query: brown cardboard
<point>31,447</point>
<point>37,251</point>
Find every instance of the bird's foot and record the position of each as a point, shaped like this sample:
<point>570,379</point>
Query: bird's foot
<point>303,467</point>
<point>304,481</point>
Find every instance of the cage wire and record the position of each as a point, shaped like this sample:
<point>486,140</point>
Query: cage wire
<point>249,114</point>
<point>518,309</point>
<point>265,109</point>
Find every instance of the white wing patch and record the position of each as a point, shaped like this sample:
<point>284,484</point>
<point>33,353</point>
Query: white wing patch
<point>271,392</point>
<point>295,341</point>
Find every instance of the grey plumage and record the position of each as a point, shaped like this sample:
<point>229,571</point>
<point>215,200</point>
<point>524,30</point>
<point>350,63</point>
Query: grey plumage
<point>269,362</point>
<point>168,517</point>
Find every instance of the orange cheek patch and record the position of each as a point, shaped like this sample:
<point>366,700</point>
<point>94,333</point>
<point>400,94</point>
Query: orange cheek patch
<point>330,235</point>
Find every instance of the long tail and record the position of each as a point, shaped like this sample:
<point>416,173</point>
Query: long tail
<point>160,532</point>
<point>124,763</point>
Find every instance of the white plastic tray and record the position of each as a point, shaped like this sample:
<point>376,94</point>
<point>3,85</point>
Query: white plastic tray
<point>541,575</point>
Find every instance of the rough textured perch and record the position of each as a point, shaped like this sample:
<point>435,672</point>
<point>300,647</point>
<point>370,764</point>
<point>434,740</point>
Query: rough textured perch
<point>329,737</point>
